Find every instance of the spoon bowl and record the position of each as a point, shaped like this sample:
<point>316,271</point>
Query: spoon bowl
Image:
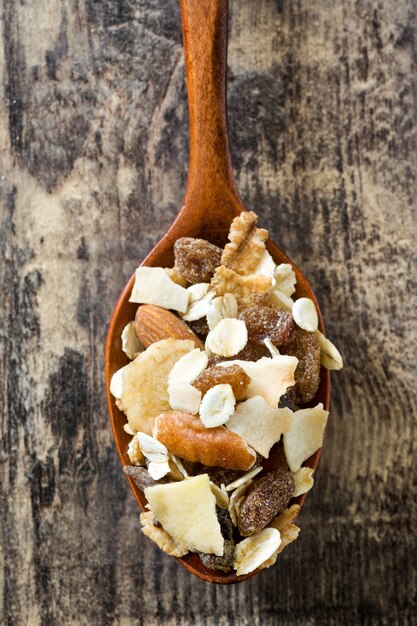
<point>210,204</point>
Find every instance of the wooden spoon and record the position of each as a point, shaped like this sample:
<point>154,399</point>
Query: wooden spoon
<point>211,202</point>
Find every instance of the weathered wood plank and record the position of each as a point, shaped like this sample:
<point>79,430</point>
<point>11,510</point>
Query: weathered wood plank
<point>93,128</point>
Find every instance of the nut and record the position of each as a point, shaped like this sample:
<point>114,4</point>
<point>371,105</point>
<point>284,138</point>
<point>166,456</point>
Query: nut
<point>281,300</point>
<point>221,307</point>
<point>217,406</point>
<point>153,323</point>
<point>305,314</point>
<point>247,290</point>
<point>185,436</point>
<point>247,244</point>
<point>252,552</point>
<point>288,531</point>
<point>330,356</point>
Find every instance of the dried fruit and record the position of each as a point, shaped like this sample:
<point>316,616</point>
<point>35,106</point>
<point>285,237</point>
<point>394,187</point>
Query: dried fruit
<point>217,405</point>
<point>200,327</point>
<point>305,314</point>
<point>153,323</point>
<point>198,308</point>
<point>268,322</point>
<point>228,337</point>
<point>116,383</point>
<point>176,276</point>
<point>270,377</point>
<point>189,367</point>
<point>225,562</point>
<point>305,436</point>
<point>141,477</point>
<point>134,452</point>
<point>220,308</point>
<point>303,481</point>
<point>196,259</point>
<point>306,348</point>
<point>187,511</point>
<point>252,552</point>
<point>287,400</point>
<point>131,345</point>
<point>145,382</point>
<point>232,375</point>
<point>218,475</point>
<point>159,536</point>
<point>247,289</point>
<point>184,397</point>
<point>247,244</point>
<point>153,286</point>
<point>285,279</point>
<point>260,425</point>
<point>185,436</point>
<point>265,498</point>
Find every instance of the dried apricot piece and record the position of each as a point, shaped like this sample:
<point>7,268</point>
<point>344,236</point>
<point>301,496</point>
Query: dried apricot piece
<point>232,375</point>
<point>305,346</point>
<point>196,259</point>
<point>265,498</point>
<point>264,321</point>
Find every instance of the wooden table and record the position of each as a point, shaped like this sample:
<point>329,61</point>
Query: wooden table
<point>93,168</point>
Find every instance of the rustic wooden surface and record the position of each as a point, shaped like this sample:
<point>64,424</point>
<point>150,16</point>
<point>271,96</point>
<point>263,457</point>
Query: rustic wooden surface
<point>93,139</point>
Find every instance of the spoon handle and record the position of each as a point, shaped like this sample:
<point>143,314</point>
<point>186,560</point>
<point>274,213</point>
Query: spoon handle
<point>211,196</point>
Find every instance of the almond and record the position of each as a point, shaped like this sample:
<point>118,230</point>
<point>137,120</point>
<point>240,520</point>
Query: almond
<point>153,323</point>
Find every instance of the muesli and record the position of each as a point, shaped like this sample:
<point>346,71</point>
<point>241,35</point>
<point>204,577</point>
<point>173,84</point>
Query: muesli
<point>223,362</point>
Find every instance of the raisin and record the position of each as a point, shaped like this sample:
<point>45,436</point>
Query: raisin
<point>141,477</point>
<point>251,352</point>
<point>265,498</point>
<point>200,327</point>
<point>306,348</point>
<point>218,475</point>
<point>287,400</point>
<point>196,259</point>
<point>264,321</point>
<point>225,562</point>
<point>232,375</point>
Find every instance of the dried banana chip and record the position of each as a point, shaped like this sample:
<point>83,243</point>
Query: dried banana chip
<point>145,382</point>
<point>305,435</point>
<point>159,536</point>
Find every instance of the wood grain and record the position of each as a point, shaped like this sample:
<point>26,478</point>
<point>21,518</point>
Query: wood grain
<point>93,124</point>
